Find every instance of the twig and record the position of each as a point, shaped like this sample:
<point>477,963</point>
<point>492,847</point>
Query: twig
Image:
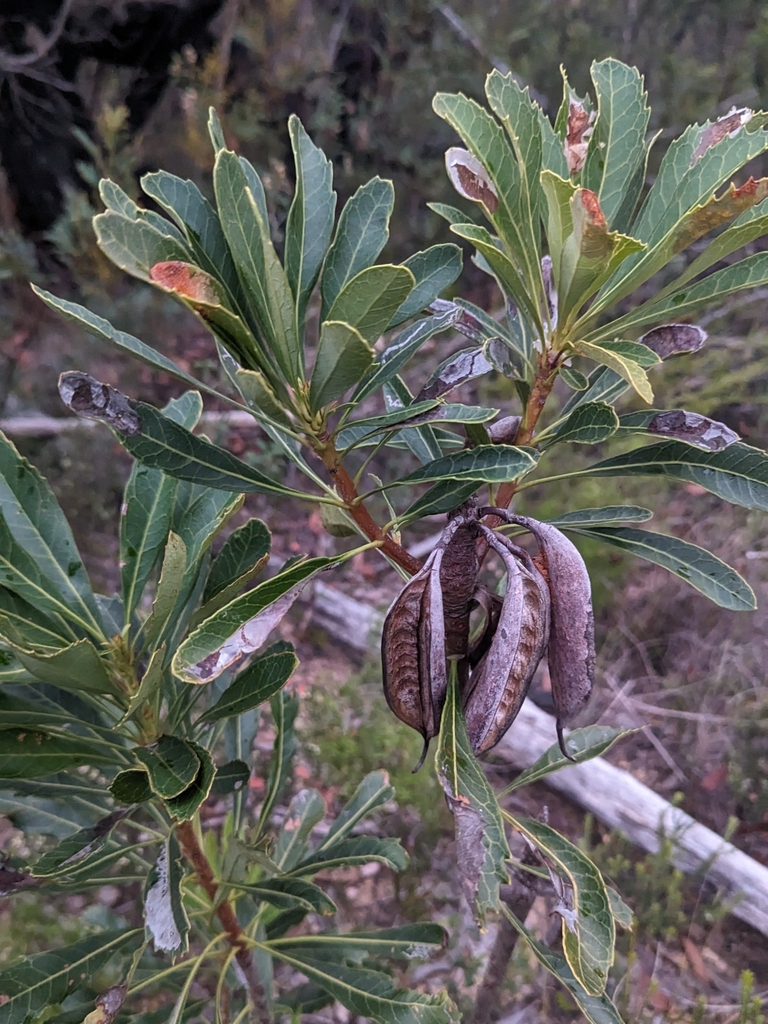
<point>226,915</point>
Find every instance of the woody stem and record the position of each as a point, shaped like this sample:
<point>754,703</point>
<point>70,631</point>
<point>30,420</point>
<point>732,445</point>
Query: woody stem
<point>235,936</point>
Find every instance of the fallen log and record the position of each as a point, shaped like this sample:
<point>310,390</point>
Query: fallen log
<point>615,797</point>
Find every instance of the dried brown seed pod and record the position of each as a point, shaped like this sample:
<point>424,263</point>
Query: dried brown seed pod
<point>501,679</point>
<point>571,650</point>
<point>458,573</point>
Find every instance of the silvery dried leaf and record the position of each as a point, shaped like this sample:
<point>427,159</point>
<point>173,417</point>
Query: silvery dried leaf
<point>93,400</point>
<point>470,178</point>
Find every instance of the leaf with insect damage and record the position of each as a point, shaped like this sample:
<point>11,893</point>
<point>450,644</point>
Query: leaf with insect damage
<point>165,918</point>
<point>470,178</point>
<point>698,430</point>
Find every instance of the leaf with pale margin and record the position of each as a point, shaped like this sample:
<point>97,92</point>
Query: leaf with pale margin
<point>241,555</point>
<point>617,149</point>
<point>287,893</point>
<point>422,441</point>
<point>257,684</point>
<point>408,940</point>
<point>163,444</point>
<point>231,777</point>
<point>582,745</point>
<point>43,980</point>
<point>165,918</point>
<point>372,792</point>
<point>589,947</point>
<point>103,329</point>
<point>698,430</point>
<point>696,566</point>
<point>135,246</point>
<point>352,851</point>
<point>75,667</point>
<point>310,218</point>
<point>171,764</point>
<point>493,463</point>
<point>361,234</point>
<point>482,849</point>
<point>33,522</point>
<point>186,804</point>
<point>738,474</point>
<point>192,212</point>
<point>589,423</point>
<point>70,851</point>
<point>605,514</point>
<point>596,1009</point>
<point>342,360</point>
<point>242,626</point>
<point>434,270</point>
<point>28,755</point>
<point>370,299</point>
<point>444,496</point>
<point>371,993</point>
<point>306,809</point>
<point>632,372</point>
<point>284,707</point>
<point>403,347</point>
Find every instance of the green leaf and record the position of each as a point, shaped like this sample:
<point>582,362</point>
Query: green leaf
<point>287,893</point>
<point>55,806</point>
<point>29,755</point>
<point>72,850</point>
<point>32,521</point>
<point>596,1009</point>
<point>165,918</point>
<point>243,555</point>
<point>558,191</point>
<point>582,744</point>
<point>371,298</point>
<point>231,777</point>
<point>186,804</point>
<point>171,764</point>
<point>169,586</point>
<point>402,348</point>
<point>284,707</point>
<point>605,514</point>
<point>131,786</point>
<point>588,424</point>
<point>617,150</point>
<point>738,474</point>
<point>215,131</point>
<point>144,524</point>
<point>711,577</point>
<point>589,937</point>
<point>422,441</point>
<point>11,670</point>
<point>370,993</point>
<point>192,212</point>
<point>260,681</point>
<point>103,329</point>
<point>261,275</point>
<point>305,810</point>
<point>444,496</point>
<point>502,267</point>
<point>361,234</point>
<point>492,463</point>
<point>76,667</point>
<point>451,213</point>
<point>574,379</point>
<point>342,360</point>
<point>46,979</point>
<point>136,245</point>
<point>486,140</point>
<point>631,371</point>
<point>261,397</point>
<point>242,626</point>
<point>409,940</point>
<point>434,270</point>
<point>310,218</point>
<point>163,444</point>
<point>482,849</point>
<point>351,851</point>
<point>371,793</point>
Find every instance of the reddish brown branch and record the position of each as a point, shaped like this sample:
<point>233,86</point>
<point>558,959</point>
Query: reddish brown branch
<point>226,915</point>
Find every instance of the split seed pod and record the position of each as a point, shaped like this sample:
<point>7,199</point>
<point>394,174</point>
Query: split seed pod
<point>413,645</point>
<point>571,650</point>
<point>501,679</point>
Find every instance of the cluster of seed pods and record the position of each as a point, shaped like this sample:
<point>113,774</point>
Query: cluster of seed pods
<point>547,608</point>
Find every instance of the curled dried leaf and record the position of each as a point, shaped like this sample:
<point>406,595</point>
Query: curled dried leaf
<point>578,133</point>
<point>470,178</point>
<point>505,430</point>
<point>186,280</point>
<point>711,435</point>
<point>462,367</point>
<point>93,400</point>
<point>674,339</point>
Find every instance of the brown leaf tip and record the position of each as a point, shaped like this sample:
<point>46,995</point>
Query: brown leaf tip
<point>470,178</point>
<point>186,280</point>
<point>591,206</point>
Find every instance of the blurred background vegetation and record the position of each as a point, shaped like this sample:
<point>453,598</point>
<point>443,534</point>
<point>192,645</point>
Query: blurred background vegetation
<point>116,88</point>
